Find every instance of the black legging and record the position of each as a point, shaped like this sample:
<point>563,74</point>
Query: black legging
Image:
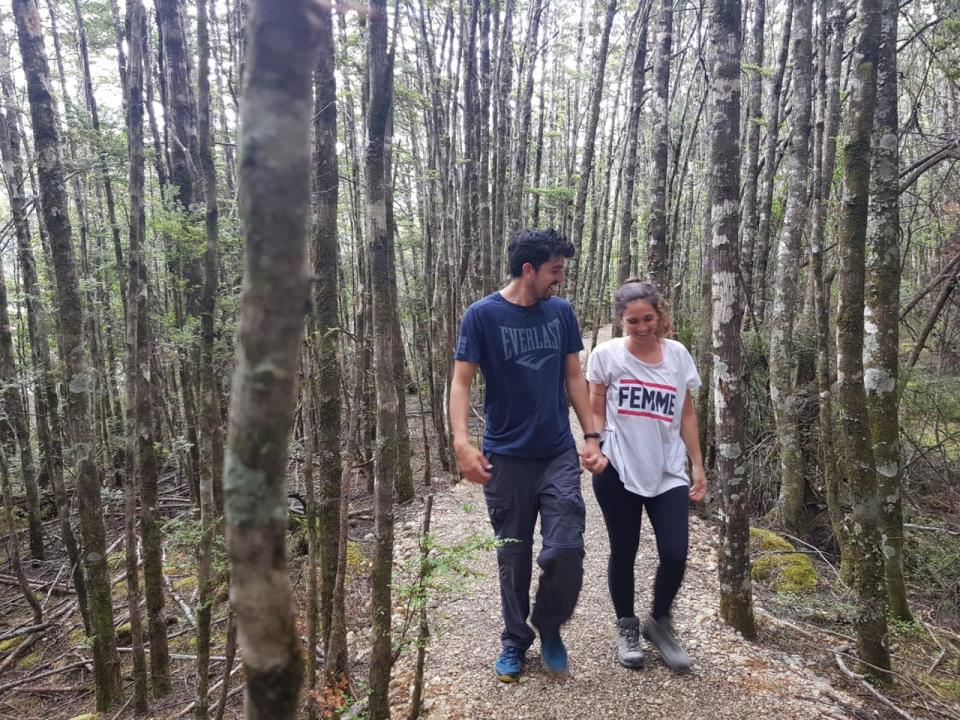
<point>622,511</point>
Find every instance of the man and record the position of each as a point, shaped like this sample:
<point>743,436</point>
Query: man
<point>526,343</point>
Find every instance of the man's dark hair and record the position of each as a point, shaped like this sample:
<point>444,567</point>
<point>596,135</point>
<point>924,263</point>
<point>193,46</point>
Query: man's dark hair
<point>536,246</point>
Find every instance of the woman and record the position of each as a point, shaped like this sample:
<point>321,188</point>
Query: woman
<point>640,392</point>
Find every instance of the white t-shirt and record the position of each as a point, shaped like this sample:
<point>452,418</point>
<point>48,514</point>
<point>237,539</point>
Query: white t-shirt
<point>644,405</point>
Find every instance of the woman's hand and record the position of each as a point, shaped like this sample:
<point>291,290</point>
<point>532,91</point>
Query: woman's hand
<point>698,490</point>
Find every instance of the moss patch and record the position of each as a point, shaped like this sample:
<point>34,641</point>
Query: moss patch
<point>779,566</point>
<point>11,643</point>
<point>28,661</point>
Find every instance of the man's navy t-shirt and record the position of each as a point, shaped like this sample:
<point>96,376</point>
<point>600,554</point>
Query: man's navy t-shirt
<point>522,352</point>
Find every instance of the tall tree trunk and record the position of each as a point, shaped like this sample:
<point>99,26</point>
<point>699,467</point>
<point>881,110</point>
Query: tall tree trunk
<point>864,522</point>
<point>637,78</point>
<point>326,377</point>
<point>524,117</point>
<point>57,222</point>
<point>15,421</point>
<point>736,595</point>
<point>211,488</point>
<point>657,251</point>
<point>822,186</point>
<point>45,388</point>
<point>748,226</point>
<point>783,393</point>
<point>379,100</point>
<point>755,272</point>
<point>586,164</point>
<point>136,23</point>
<point>881,316</point>
<point>275,205</point>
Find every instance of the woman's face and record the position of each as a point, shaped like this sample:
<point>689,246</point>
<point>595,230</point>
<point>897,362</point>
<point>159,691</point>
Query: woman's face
<point>640,320</point>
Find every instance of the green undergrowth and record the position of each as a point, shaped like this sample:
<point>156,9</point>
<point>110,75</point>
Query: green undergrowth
<point>778,565</point>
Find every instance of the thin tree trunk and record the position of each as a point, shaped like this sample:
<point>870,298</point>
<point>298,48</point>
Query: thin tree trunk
<point>755,272</point>
<point>275,204</point>
<point>586,164</point>
<point>657,251</point>
<point>13,541</point>
<point>865,519</point>
<point>748,226</point>
<point>326,379</point>
<point>56,220</point>
<point>46,397</point>
<point>736,595</point>
<point>379,100</point>
<point>881,316</point>
<point>783,393</point>
<point>136,22</point>
<point>211,487</point>
<point>629,169</point>
<point>822,186</point>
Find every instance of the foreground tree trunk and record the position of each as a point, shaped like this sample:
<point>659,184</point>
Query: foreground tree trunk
<point>881,321</point>
<point>736,594</point>
<point>864,522</point>
<point>275,204</point>
<point>79,379</point>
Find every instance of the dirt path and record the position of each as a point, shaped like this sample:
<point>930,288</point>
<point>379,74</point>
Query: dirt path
<point>732,678</point>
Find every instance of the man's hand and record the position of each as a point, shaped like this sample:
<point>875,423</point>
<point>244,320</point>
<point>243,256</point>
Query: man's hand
<point>698,490</point>
<point>473,464</point>
<point>591,458</point>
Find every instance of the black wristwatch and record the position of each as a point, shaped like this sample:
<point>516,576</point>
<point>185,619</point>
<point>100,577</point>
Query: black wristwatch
<point>591,436</point>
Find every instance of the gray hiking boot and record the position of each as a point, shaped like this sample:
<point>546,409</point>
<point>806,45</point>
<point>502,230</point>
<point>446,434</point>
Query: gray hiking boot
<point>629,652</point>
<point>660,633</point>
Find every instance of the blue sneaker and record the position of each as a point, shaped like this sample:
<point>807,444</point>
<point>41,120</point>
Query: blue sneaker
<point>509,665</point>
<point>553,651</point>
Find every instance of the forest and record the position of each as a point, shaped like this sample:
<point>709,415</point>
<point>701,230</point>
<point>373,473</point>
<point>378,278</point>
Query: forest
<point>237,238</point>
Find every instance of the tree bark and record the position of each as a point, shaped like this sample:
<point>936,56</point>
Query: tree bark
<point>379,100</point>
<point>783,393</point>
<point>657,250</point>
<point>748,226</point>
<point>881,316</point>
<point>864,521</point>
<point>79,379</point>
<point>136,22</point>
<point>274,203</point>
<point>326,378</point>
<point>736,597</point>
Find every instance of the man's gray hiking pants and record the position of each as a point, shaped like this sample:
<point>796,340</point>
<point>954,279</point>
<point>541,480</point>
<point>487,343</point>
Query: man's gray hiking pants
<point>520,489</point>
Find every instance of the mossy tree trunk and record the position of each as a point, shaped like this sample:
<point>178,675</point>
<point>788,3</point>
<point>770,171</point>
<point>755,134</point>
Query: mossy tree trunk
<point>736,592</point>
<point>274,204</point>
<point>783,393</point>
<point>79,381</point>
<point>864,521</point>
<point>881,321</point>
<point>657,251</point>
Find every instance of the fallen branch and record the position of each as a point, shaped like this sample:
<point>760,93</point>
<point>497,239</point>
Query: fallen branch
<point>26,630</point>
<point>40,689</point>
<point>859,679</point>
<point>179,600</point>
<point>48,673</point>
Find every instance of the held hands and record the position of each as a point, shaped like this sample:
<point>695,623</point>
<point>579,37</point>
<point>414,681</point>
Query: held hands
<point>698,489</point>
<point>591,458</point>
<point>473,464</point>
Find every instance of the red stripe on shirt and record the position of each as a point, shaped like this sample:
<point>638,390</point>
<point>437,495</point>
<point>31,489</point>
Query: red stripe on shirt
<point>631,381</point>
<point>640,413</point>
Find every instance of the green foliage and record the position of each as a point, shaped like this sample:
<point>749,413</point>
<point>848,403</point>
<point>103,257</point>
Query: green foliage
<point>748,68</point>
<point>779,565</point>
<point>184,536</point>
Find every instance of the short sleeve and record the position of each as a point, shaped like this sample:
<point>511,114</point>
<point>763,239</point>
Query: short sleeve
<point>690,374</point>
<point>574,341</point>
<point>469,344</point>
<point>597,371</point>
